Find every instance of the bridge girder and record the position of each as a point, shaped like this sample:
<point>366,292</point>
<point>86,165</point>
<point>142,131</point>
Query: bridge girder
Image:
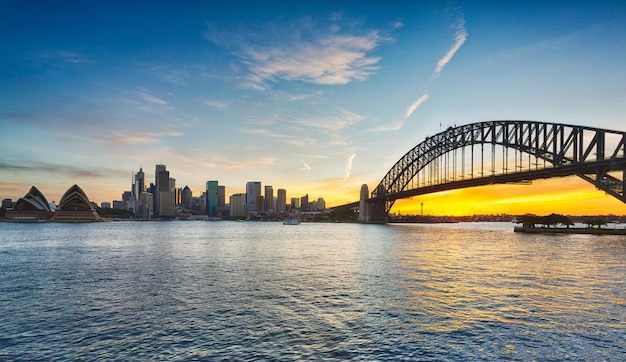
<point>594,154</point>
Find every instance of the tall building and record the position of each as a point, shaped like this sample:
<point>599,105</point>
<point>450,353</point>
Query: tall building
<point>304,203</point>
<point>253,191</point>
<point>221,196</point>
<point>139,184</point>
<point>147,205</point>
<point>238,206</point>
<point>186,197</point>
<point>295,203</point>
<point>269,198</point>
<point>211,195</point>
<point>281,200</point>
<point>318,205</point>
<point>161,184</point>
<point>164,197</point>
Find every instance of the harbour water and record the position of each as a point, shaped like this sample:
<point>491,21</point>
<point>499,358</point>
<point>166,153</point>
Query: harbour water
<point>180,291</point>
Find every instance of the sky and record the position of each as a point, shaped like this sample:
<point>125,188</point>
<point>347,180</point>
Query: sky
<point>314,97</point>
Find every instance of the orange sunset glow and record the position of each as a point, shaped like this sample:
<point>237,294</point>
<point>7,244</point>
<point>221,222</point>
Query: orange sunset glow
<point>568,196</point>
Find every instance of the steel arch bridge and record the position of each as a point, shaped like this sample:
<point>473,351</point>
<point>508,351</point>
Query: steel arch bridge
<point>494,152</point>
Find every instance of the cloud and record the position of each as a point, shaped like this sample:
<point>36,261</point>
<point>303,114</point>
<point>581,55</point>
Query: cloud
<point>335,122</point>
<point>301,51</point>
<point>59,169</point>
<point>418,102</point>
<point>349,166</point>
<point>461,36</point>
<point>216,104</point>
<point>392,126</point>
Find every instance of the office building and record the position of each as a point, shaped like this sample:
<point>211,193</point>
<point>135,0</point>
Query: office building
<point>212,190</point>
<point>281,200</point>
<point>162,184</point>
<point>253,191</point>
<point>269,199</point>
<point>238,207</point>
<point>186,198</point>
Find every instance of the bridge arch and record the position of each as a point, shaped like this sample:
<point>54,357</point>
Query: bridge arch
<point>502,152</point>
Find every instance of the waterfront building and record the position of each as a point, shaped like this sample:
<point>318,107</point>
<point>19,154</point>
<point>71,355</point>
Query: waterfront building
<point>146,205</point>
<point>212,190</point>
<point>105,205</point>
<point>7,203</point>
<point>260,204</point>
<point>238,207</point>
<point>304,203</point>
<point>321,204</point>
<point>139,184</point>
<point>117,204</point>
<point>162,184</point>
<point>75,207</point>
<point>221,196</point>
<point>32,207</point>
<point>186,197</point>
<point>253,191</point>
<point>281,200</point>
<point>167,205</point>
<point>269,199</point>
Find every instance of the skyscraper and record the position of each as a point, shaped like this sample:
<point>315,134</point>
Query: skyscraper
<point>281,200</point>
<point>186,198</point>
<point>211,195</point>
<point>269,198</point>
<point>253,190</point>
<point>164,198</point>
<point>139,184</point>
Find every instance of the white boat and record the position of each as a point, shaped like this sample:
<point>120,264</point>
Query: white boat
<point>291,222</point>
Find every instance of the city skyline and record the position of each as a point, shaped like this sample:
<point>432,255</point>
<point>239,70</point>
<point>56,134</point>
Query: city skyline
<point>318,98</point>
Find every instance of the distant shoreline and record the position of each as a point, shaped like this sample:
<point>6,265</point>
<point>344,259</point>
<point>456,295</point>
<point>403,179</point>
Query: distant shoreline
<point>591,231</point>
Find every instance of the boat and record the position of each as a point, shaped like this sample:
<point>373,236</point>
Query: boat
<point>291,222</point>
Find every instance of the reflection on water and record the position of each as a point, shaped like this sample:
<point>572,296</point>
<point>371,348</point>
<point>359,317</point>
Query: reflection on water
<point>202,290</point>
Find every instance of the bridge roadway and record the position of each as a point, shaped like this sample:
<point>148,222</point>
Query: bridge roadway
<point>564,150</point>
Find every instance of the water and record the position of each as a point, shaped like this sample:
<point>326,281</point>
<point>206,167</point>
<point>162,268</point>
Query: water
<point>264,291</point>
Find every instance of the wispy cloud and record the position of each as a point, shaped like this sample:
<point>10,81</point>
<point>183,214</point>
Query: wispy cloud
<point>216,104</point>
<point>302,52</point>
<point>349,164</point>
<point>58,169</point>
<point>418,102</point>
<point>392,126</point>
<point>459,39</point>
<point>337,121</point>
<point>60,57</point>
<point>306,166</point>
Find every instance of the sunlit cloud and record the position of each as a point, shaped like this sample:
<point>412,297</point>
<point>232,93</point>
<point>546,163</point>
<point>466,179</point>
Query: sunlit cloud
<point>306,167</point>
<point>413,107</point>
<point>460,37</point>
<point>305,52</point>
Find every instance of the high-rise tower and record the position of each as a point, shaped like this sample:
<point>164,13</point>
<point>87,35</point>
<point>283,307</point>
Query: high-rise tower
<point>211,198</point>
<point>253,191</point>
<point>269,198</point>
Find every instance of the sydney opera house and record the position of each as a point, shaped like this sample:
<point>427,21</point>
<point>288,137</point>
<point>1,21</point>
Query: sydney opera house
<point>33,207</point>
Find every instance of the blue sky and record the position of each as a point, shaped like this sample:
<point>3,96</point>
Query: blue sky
<point>314,97</point>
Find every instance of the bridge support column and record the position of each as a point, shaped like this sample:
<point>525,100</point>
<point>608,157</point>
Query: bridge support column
<point>378,212</point>
<point>364,205</point>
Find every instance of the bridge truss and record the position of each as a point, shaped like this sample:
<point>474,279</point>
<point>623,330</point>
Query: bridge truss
<point>504,152</point>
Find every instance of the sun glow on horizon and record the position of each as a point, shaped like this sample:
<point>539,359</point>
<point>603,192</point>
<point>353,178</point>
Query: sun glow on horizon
<point>569,196</point>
